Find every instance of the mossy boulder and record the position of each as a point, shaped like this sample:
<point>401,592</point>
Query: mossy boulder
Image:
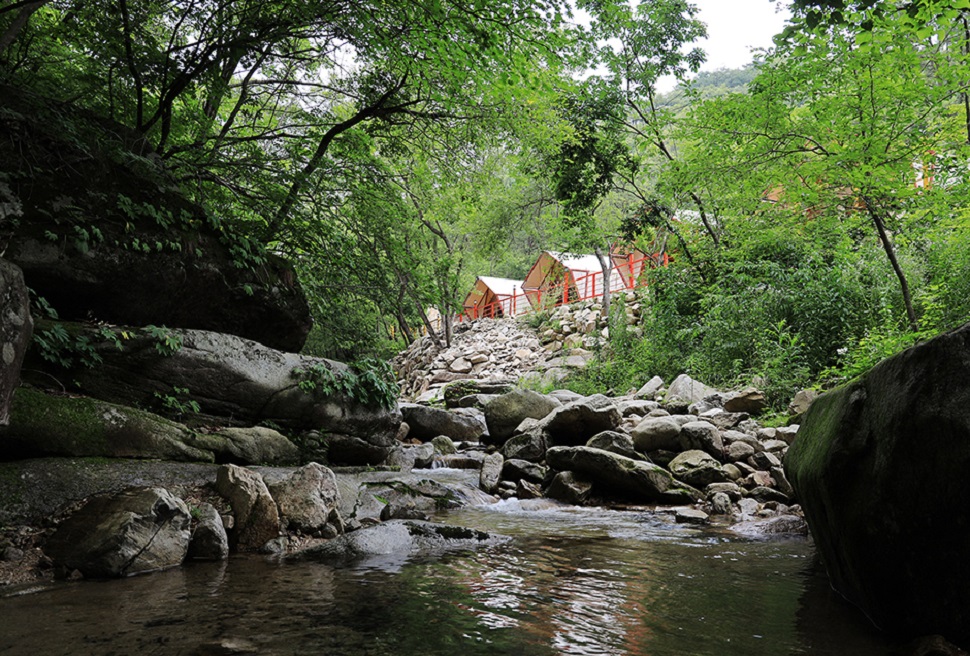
<point>16,327</point>
<point>880,468</point>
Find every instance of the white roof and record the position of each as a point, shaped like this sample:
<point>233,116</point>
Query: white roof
<point>502,286</point>
<point>577,262</point>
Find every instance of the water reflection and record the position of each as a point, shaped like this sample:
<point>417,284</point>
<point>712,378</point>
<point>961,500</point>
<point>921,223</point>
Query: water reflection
<point>573,581</point>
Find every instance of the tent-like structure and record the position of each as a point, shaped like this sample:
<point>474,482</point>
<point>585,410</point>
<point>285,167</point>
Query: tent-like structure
<point>559,278</point>
<point>495,297</point>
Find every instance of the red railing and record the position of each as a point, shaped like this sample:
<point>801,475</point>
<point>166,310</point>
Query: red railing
<point>576,287</point>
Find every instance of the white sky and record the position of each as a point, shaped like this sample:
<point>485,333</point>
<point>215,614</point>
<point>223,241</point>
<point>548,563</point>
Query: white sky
<point>735,26</point>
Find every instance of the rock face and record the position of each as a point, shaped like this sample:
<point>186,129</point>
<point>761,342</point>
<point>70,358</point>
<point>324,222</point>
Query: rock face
<point>139,530</point>
<point>237,379</point>
<point>16,327</point>
<point>257,520</point>
<point>104,232</point>
<point>879,467</point>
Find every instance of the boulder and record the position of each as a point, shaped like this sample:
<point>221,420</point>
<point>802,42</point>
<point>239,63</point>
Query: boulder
<point>656,433</point>
<point>16,327</point>
<point>615,442</point>
<point>650,389</point>
<point>570,487</point>
<point>228,377</point>
<point>443,445</point>
<point>308,499</point>
<point>879,467</point>
<point>691,516</point>
<point>703,436</point>
<point>491,472</point>
<point>801,402</point>
<point>514,470</point>
<point>57,425</point>
<point>257,519</point>
<point>684,391</point>
<point>749,400</point>
<point>574,423</point>
<point>427,422</point>
<point>138,530</point>
<point>104,231</point>
<point>504,413</point>
<point>638,480</point>
<point>454,392</point>
<point>209,539</point>
<point>636,407</point>
<point>697,469</point>
<point>530,446</point>
<point>254,445</point>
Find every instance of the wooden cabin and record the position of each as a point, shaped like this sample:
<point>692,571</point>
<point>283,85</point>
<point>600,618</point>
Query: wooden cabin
<point>495,297</point>
<point>562,278</point>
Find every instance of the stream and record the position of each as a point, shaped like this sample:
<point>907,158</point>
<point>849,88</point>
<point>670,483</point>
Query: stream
<point>570,581</point>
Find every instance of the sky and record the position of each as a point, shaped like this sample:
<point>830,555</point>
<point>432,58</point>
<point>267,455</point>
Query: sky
<point>735,26</point>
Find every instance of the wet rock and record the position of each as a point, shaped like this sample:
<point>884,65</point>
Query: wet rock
<point>427,423</point>
<point>780,525</point>
<point>397,538</point>
<point>763,494</point>
<point>443,445</point>
<point>514,470</point>
<point>530,446</point>
<point>641,481</point>
<point>491,472</point>
<point>139,530</point>
<point>691,516</point>
<point>257,520</point>
<point>209,540</point>
<point>729,488</point>
<point>697,469</point>
<point>720,504</point>
<point>504,413</point>
<point>527,490</point>
<point>570,487</point>
<point>308,499</point>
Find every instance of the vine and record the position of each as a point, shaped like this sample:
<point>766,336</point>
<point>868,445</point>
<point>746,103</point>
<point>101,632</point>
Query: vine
<point>369,381</point>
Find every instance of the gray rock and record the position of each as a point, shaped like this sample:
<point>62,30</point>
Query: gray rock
<point>529,446</point>
<point>565,396</point>
<point>257,520</point>
<point>403,457</point>
<point>650,389</point>
<point>801,402</point>
<point>781,482</point>
<point>764,461</point>
<point>16,328</point>
<point>748,507</point>
<point>393,542</point>
<point>656,433</point>
<point>308,499</point>
<point>781,525</point>
<point>443,445</point>
<point>255,445</point>
<point>786,433</point>
<point>636,407</point>
<point>42,424</point>
<point>684,391</point>
<point>749,400</point>
<point>641,481</point>
<point>514,470</point>
<point>427,423</point>
<point>691,516</point>
<point>491,472</point>
<point>574,423</point>
<point>764,494</point>
<point>570,487</point>
<point>209,540</point>
<point>697,469</point>
<point>504,413</point>
<point>234,378</point>
<point>461,460</point>
<point>139,530</point>
<point>350,450</point>
<point>703,436</point>
<point>732,472</point>
<point>527,490</point>
<point>720,504</point>
<point>732,490</point>
<point>614,442</point>
<point>739,451</point>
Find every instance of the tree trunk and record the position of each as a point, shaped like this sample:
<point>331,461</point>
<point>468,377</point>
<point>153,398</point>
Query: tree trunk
<point>13,30</point>
<point>606,264</point>
<point>891,254</point>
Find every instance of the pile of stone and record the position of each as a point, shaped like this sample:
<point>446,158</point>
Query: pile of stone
<point>684,445</point>
<point>482,350</point>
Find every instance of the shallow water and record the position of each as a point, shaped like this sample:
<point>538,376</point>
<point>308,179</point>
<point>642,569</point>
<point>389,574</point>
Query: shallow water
<point>570,581</point>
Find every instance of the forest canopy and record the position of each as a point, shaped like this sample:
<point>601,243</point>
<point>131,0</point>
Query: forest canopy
<point>814,203</point>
